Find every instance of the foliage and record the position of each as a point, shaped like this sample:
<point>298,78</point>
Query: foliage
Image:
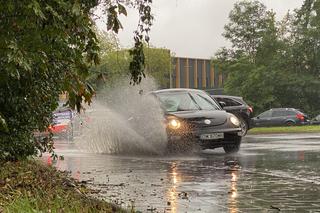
<point>116,64</point>
<point>29,186</point>
<point>248,24</point>
<point>285,129</point>
<point>47,47</point>
<point>158,65</point>
<point>273,64</point>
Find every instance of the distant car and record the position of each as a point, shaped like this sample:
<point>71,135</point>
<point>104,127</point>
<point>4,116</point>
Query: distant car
<point>192,115</point>
<point>61,120</point>
<point>280,117</point>
<point>237,106</point>
<point>315,120</point>
<point>61,124</point>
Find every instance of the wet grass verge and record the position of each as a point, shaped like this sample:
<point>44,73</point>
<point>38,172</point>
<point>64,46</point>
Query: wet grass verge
<point>285,129</point>
<point>30,186</point>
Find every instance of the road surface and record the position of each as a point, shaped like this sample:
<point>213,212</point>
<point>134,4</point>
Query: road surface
<point>270,173</point>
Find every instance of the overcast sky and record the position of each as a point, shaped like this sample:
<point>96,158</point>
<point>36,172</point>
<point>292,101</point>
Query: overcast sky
<point>192,28</point>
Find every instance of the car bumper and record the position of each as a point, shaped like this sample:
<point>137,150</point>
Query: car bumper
<point>195,137</point>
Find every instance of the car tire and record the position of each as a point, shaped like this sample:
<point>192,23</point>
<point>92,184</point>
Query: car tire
<point>244,126</point>
<point>233,147</point>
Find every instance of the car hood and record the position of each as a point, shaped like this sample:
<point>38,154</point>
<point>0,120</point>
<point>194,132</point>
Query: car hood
<point>217,117</point>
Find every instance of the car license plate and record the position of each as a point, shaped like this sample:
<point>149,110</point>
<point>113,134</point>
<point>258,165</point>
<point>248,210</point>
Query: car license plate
<point>211,136</point>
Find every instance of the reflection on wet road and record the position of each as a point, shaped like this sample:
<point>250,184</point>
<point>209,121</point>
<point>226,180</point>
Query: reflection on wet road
<point>269,174</point>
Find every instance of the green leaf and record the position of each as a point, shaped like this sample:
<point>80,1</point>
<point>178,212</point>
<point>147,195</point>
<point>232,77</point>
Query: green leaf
<point>122,9</point>
<point>3,125</point>
<point>35,6</point>
<point>76,9</point>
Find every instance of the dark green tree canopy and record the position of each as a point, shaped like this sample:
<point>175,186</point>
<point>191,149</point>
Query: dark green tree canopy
<point>273,64</point>
<point>248,24</point>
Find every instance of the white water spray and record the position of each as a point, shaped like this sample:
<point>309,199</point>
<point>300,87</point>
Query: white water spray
<point>125,120</point>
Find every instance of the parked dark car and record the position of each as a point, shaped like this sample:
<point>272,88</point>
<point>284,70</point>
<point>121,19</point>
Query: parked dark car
<point>237,106</point>
<point>280,117</point>
<point>192,115</point>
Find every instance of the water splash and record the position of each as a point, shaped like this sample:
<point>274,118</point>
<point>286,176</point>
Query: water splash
<point>125,120</point>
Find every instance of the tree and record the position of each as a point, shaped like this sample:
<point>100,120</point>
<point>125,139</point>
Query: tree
<point>115,64</point>
<point>306,37</point>
<point>249,63</point>
<point>46,48</point>
<point>273,64</point>
<point>158,65</point>
<point>248,24</point>
<point>304,55</point>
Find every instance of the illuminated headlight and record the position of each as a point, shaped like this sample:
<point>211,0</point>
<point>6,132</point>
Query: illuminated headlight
<point>234,120</point>
<point>174,124</point>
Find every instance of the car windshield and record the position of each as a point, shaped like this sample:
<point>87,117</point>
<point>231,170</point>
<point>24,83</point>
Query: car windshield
<point>185,101</point>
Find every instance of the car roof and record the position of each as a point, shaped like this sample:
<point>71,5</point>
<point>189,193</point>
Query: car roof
<point>283,109</point>
<point>176,90</point>
<point>226,96</point>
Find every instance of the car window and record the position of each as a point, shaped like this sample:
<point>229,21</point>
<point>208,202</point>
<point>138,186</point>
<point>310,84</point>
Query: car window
<point>265,114</point>
<point>173,102</point>
<point>205,102</point>
<point>218,99</point>
<point>230,102</point>
<point>278,113</point>
<point>290,113</point>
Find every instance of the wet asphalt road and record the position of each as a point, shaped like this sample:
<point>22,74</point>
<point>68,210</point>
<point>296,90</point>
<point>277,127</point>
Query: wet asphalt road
<point>270,173</point>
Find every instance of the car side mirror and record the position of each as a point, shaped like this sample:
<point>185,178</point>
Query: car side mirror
<point>222,104</point>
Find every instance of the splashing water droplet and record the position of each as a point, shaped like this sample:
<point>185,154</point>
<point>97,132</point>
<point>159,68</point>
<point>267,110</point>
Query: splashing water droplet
<point>124,120</point>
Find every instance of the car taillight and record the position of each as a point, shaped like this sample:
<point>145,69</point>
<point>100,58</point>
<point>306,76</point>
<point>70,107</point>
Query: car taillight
<point>300,116</point>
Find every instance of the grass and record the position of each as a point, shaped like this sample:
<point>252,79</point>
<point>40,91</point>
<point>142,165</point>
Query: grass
<point>285,129</point>
<point>29,186</point>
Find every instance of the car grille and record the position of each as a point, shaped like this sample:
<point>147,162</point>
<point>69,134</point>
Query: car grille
<point>199,123</point>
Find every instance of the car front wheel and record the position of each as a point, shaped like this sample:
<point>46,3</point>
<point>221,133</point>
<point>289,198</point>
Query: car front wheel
<point>243,126</point>
<point>233,147</point>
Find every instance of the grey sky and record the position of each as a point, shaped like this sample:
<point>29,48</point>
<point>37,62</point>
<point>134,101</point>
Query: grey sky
<point>192,28</point>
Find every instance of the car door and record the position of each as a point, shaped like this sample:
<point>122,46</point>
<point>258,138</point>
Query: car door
<point>278,117</point>
<point>263,119</point>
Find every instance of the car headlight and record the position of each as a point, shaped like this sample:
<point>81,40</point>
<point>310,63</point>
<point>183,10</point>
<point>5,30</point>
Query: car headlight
<point>234,120</point>
<point>174,124</point>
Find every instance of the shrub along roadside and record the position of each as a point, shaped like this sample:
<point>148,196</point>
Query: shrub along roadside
<point>285,129</point>
<point>30,186</point>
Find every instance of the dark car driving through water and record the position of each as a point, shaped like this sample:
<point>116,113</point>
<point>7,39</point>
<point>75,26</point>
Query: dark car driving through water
<point>193,116</point>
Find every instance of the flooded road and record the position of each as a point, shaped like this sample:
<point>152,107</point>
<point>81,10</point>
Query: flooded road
<point>270,173</point>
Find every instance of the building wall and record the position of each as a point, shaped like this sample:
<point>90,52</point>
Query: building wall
<point>195,73</point>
